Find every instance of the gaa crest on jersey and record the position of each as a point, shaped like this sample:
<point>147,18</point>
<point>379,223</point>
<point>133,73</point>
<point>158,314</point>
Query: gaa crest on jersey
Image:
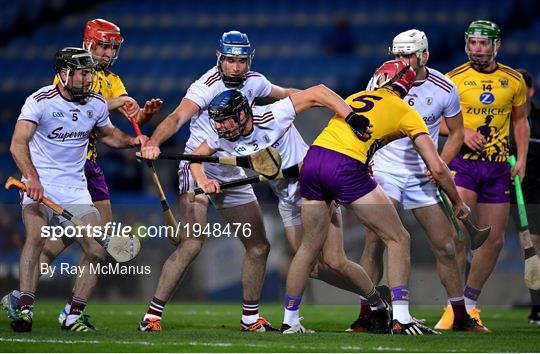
<point>487,98</point>
<point>504,82</point>
<point>90,114</point>
<point>429,101</point>
<point>250,93</point>
<point>266,138</point>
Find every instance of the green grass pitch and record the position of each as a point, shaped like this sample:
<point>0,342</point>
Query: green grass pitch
<point>215,328</point>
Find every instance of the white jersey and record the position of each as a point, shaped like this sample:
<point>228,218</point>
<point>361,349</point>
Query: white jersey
<point>272,126</point>
<point>209,86</point>
<point>434,98</point>
<point>59,145</point>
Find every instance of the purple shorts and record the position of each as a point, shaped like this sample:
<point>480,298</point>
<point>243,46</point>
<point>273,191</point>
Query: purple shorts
<point>329,175</point>
<point>97,187</point>
<point>490,180</point>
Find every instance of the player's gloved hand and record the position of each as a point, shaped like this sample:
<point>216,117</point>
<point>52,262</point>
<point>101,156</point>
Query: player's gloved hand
<point>360,125</point>
<point>34,189</point>
<point>462,210</point>
<point>210,186</point>
<point>150,150</point>
<point>474,140</point>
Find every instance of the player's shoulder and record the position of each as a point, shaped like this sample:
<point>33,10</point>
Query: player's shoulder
<point>254,75</point>
<point>96,99</point>
<point>437,79</point>
<point>507,71</point>
<point>263,115</point>
<point>45,93</point>
<point>460,70</point>
<point>210,78</point>
<point>110,74</point>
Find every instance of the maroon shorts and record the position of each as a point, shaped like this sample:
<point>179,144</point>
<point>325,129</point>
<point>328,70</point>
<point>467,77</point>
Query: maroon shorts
<point>490,180</point>
<point>329,175</point>
<point>97,187</point>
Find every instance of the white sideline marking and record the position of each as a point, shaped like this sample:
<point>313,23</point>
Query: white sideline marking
<point>201,344</point>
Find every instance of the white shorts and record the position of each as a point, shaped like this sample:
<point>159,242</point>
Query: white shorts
<point>411,189</point>
<point>228,198</point>
<point>288,192</point>
<point>76,200</point>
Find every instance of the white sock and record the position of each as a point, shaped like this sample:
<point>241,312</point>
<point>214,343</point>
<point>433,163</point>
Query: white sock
<point>16,293</point>
<point>469,303</point>
<point>249,319</point>
<point>400,311</point>
<point>147,316</point>
<point>67,308</point>
<point>291,317</point>
<point>70,319</point>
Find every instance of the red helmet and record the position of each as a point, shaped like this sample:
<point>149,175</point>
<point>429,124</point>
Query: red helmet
<point>394,72</point>
<point>102,32</point>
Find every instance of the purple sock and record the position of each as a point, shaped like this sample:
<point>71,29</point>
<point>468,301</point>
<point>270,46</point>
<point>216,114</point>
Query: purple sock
<point>400,293</point>
<point>292,303</point>
<point>471,293</point>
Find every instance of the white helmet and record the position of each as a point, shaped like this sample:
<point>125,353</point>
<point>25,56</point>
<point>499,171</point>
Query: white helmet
<point>409,42</point>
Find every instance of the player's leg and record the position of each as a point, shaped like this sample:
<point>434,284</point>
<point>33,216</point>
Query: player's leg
<point>441,236</point>
<point>379,214</point>
<point>486,256</point>
<point>174,268</point>
<point>315,225</point>
<point>99,193</point>
<point>87,279</point>
<point>254,265</point>
<point>534,317</point>
<point>34,217</point>
<point>492,210</point>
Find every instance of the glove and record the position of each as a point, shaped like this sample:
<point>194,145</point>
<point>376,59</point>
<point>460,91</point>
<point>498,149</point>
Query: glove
<point>360,125</point>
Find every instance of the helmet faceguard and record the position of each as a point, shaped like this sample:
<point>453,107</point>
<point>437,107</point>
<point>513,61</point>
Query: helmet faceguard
<point>483,29</point>
<point>236,45</point>
<point>229,104</point>
<point>72,59</point>
<point>394,73</point>
<point>104,33</point>
<point>411,42</point>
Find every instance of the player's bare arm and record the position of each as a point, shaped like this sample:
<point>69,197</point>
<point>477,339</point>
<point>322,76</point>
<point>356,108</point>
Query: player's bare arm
<point>117,139</point>
<point>522,134</point>
<point>455,137</point>
<point>209,186</point>
<point>440,173</point>
<point>323,96</point>
<point>279,92</point>
<point>118,102</point>
<point>24,130</point>
<point>170,125</point>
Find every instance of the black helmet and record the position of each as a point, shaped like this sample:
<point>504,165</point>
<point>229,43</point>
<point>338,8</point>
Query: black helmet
<point>73,59</point>
<point>226,105</point>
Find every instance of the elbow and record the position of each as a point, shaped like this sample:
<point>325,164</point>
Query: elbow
<point>438,170</point>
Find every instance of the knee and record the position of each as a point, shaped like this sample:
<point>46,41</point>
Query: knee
<point>494,244</point>
<point>260,250</point>
<point>446,252</point>
<point>334,261</point>
<point>401,237</point>
<point>96,253</point>
<point>191,246</point>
